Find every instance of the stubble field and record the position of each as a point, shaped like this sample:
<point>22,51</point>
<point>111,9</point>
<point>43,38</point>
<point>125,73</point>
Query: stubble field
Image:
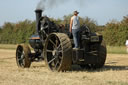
<point>115,72</point>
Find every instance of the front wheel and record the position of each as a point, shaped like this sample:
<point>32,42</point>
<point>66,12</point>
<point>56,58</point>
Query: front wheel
<point>23,56</point>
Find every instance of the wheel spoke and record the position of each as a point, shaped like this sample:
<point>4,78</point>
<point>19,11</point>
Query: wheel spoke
<point>59,46</point>
<point>56,64</point>
<point>22,63</point>
<point>46,26</point>
<point>60,51</point>
<point>57,41</point>
<point>20,59</point>
<point>51,60</point>
<point>52,42</point>
<point>60,57</point>
<point>19,51</point>
<point>50,51</point>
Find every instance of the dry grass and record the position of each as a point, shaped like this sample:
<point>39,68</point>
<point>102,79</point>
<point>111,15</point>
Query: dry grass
<point>8,46</point>
<point>110,49</point>
<point>114,73</point>
<point>116,49</point>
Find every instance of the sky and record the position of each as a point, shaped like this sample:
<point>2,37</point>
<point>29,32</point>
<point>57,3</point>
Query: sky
<point>102,11</point>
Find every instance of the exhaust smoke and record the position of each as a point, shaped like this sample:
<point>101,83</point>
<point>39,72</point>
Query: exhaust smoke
<point>48,4</point>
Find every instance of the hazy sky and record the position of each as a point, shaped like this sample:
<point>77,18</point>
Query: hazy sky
<point>102,11</point>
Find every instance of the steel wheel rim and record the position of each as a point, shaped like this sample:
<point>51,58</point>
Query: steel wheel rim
<point>54,52</point>
<point>20,56</point>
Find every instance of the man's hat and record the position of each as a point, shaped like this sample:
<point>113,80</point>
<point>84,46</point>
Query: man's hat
<point>76,12</point>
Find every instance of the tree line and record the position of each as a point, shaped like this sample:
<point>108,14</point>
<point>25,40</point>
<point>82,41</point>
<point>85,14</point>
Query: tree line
<point>15,33</point>
<point>115,33</point>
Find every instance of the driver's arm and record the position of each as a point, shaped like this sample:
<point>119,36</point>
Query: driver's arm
<point>71,21</point>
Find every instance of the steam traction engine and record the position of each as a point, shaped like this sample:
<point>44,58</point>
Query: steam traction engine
<point>54,44</point>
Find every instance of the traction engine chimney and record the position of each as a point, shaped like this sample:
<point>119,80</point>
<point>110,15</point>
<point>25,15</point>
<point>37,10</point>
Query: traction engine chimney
<point>38,16</point>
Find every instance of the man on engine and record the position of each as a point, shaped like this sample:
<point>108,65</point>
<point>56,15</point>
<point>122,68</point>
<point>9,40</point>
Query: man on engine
<point>75,28</point>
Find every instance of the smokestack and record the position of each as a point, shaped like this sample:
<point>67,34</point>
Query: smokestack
<point>38,16</point>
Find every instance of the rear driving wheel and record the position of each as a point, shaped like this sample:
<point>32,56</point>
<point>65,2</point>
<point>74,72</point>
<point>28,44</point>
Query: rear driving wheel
<point>101,57</point>
<point>23,56</point>
<point>58,52</point>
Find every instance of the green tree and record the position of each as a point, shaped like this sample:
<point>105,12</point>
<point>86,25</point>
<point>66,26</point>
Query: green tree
<point>17,33</point>
<point>116,33</point>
